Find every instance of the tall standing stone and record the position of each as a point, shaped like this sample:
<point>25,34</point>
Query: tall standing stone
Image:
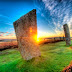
<point>26,33</point>
<point>67,34</point>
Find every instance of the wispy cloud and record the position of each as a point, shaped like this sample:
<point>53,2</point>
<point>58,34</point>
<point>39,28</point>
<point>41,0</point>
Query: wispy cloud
<point>3,33</point>
<point>5,20</point>
<point>60,13</point>
<point>7,35</point>
<point>11,34</point>
<point>12,28</point>
<point>1,15</point>
<point>9,23</point>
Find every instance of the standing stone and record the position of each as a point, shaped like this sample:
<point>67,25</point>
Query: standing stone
<point>54,39</point>
<point>63,38</point>
<point>67,34</point>
<point>26,33</point>
<point>60,38</point>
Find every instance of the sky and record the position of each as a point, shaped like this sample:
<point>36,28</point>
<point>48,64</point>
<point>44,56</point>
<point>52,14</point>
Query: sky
<point>51,16</point>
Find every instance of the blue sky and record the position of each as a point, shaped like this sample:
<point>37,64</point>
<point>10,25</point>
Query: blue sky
<point>51,15</point>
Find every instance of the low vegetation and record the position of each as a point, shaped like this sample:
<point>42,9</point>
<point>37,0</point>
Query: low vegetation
<point>6,45</point>
<point>54,58</point>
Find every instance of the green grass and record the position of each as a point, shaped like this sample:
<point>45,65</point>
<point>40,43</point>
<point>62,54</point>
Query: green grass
<point>54,57</point>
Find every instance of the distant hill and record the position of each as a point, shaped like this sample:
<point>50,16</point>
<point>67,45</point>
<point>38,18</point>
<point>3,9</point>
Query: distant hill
<point>7,40</point>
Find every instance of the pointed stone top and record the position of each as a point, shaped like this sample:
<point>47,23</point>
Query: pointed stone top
<point>29,13</point>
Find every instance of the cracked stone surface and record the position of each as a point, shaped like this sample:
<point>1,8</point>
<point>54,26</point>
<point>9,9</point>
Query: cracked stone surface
<point>26,33</point>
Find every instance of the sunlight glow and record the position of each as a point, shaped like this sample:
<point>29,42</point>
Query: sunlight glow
<point>8,37</point>
<point>42,34</point>
<point>30,29</point>
<point>36,39</point>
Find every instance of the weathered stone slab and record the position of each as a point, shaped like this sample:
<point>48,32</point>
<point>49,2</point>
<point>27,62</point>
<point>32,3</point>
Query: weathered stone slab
<point>67,34</point>
<point>26,33</point>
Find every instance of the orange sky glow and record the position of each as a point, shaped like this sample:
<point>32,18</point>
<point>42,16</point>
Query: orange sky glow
<point>39,35</point>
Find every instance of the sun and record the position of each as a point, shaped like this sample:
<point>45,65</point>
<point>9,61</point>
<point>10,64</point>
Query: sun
<point>36,39</point>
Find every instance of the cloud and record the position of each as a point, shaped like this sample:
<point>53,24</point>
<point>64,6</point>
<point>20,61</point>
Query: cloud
<point>3,33</point>
<point>50,4</point>
<point>7,35</point>
<point>12,28</point>
<point>56,13</point>
<point>70,23</point>
<point>9,23</point>
<point>11,34</point>
<point>6,32</point>
<point>60,13</point>
<point>5,20</point>
<point>42,14</point>
<point>4,16</point>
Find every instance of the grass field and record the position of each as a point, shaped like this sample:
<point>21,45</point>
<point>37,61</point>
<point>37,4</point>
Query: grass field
<point>54,57</point>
